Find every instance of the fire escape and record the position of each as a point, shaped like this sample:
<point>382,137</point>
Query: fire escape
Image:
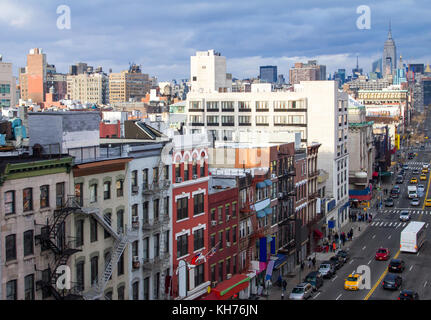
<point>52,238</point>
<point>159,188</point>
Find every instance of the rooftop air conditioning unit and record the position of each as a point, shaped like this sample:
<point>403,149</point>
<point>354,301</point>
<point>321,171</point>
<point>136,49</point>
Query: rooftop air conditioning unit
<point>229,275</point>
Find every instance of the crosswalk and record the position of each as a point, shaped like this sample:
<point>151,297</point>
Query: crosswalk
<point>388,224</point>
<point>411,210</point>
<point>416,165</point>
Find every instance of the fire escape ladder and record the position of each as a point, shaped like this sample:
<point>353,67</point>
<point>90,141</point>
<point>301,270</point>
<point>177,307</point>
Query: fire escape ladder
<point>105,221</point>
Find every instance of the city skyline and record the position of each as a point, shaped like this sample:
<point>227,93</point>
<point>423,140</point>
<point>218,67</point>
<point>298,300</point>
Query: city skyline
<point>161,37</point>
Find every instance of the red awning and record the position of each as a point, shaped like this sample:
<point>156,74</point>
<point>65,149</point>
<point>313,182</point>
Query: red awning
<point>318,234</point>
<point>228,288</point>
<point>375,174</point>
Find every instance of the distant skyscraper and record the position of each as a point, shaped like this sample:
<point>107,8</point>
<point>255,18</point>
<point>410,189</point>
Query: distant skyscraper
<point>417,67</point>
<point>356,71</point>
<point>280,79</point>
<point>307,72</point>
<point>389,60</point>
<point>377,66</point>
<point>268,74</point>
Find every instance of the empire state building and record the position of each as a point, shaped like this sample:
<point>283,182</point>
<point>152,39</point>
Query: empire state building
<point>389,61</point>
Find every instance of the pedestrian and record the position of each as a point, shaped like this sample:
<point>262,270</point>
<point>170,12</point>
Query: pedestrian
<point>302,265</point>
<point>366,216</point>
<point>351,233</point>
<point>314,262</point>
<point>334,246</point>
<point>309,262</point>
<point>284,285</point>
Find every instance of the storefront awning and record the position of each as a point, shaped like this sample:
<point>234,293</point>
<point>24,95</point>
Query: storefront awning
<point>260,185</point>
<point>268,182</point>
<point>268,210</point>
<point>228,288</point>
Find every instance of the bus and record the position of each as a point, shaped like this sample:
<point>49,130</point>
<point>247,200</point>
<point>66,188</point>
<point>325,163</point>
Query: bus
<point>412,237</point>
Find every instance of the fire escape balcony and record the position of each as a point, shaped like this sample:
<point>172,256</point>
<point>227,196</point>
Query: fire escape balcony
<point>313,174</point>
<point>155,187</point>
<point>157,262</point>
<point>152,224</point>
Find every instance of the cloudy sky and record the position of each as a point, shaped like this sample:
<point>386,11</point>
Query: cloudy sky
<point>162,35</point>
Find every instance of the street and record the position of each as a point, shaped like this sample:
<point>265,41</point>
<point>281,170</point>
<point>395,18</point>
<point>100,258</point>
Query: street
<point>385,231</point>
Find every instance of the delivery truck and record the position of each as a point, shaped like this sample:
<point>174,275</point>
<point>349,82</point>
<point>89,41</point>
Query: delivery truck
<point>412,237</point>
<point>412,192</point>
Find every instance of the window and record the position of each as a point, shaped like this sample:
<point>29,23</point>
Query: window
<point>134,180</point>
<point>227,211</point>
<point>79,233</point>
<point>44,196</point>
<point>234,209</point>
<point>234,264</point>
<point>28,243</point>
<point>186,171</point>
<point>79,193</point>
<point>227,106</point>
<point>198,206</point>
<point>156,209</point>
<point>220,271</point>
<point>120,221</point>
<point>46,291</point>
<point>108,218</point>
<point>94,270</point>
<point>212,120</point>
<point>106,190</point>
<point>244,120</point>
<point>243,105</point>
<point>166,206</point>
<point>228,235</point>
<point>80,275</point>
<point>166,172</point>
<point>199,274</point>
<point>220,240</point>
<point>155,174</point>
<point>11,290</point>
<point>212,105</point>
<point>220,214</point>
<point>156,245</point>
<point>202,168</point>
<point>213,273</point>
<point>120,266</point>
<point>108,295</point>
<point>135,248</point>
<point>145,212</point>
<point>228,120</point>
<point>177,170</point>
<point>213,217</point>
<point>146,248</point>
<point>27,199</point>
<point>228,266</point>
<point>59,194</point>
<point>262,120</point>
<point>156,286</point>
<point>29,287</point>
<point>120,293</point>
<point>182,245</point>
<point>93,229</point>
<point>198,237</point>
<point>120,189</point>
<point>262,105</point>
<point>212,240</point>
<point>10,244</point>
<point>135,289</point>
<point>9,201</point>
<point>182,208</point>
<point>194,168</point>
<point>147,288</point>
<point>166,241</point>
<point>93,193</point>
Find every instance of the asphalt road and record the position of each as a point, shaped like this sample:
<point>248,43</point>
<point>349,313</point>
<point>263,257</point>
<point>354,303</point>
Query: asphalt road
<point>385,232</point>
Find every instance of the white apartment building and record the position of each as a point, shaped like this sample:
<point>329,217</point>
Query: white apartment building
<point>315,109</point>
<point>88,87</point>
<point>7,85</point>
<point>208,73</point>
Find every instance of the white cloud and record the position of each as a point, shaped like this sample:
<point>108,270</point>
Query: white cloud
<point>15,15</point>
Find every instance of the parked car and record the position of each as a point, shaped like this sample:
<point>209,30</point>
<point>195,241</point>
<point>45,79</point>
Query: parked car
<point>327,269</point>
<point>415,171</point>
<point>405,166</point>
<point>315,279</point>
<point>428,203</point>
<point>301,292</point>
<point>408,295</point>
<point>343,254</point>
<point>400,179</point>
<point>382,254</point>
<point>389,202</point>
<point>392,281</point>
<point>337,261</point>
<point>396,265</point>
<point>404,216</point>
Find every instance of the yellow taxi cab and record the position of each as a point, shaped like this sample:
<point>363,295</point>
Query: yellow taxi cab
<point>428,203</point>
<point>423,177</point>
<point>413,180</point>
<point>425,170</point>
<point>352,281</point>
<point>426,137</point>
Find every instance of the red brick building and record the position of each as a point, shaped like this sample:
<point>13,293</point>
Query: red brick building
<point>189,216</point>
